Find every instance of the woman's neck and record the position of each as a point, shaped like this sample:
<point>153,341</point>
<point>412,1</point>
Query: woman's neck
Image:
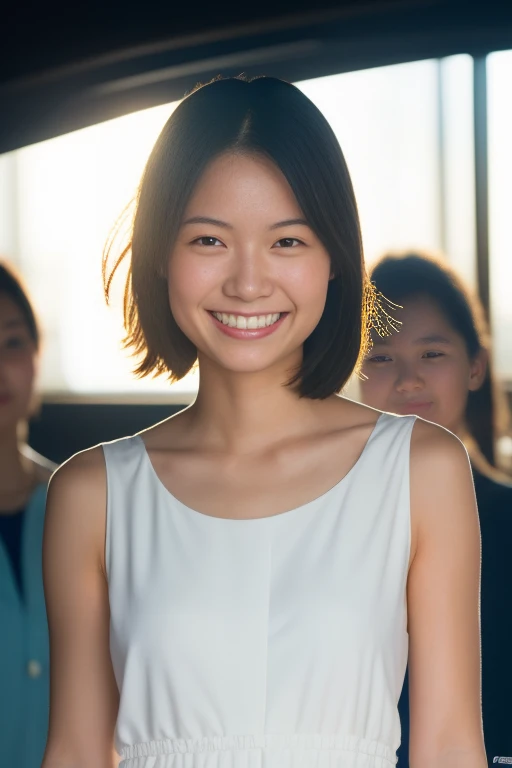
<point>241,413</point>
<point>17,475</point>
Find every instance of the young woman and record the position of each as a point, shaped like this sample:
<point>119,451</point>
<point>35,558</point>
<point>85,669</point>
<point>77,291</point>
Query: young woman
<point>228,588</point>
<point>438,366</point>
<point>24,675</point>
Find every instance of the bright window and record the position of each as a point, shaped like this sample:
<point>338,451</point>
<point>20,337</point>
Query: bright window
<point>499,69</point>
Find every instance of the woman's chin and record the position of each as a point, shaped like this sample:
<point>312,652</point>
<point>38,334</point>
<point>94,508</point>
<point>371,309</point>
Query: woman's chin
<point>241,365</point>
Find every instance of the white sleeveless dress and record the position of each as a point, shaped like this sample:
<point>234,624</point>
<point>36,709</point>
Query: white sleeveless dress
<point>278,642</point>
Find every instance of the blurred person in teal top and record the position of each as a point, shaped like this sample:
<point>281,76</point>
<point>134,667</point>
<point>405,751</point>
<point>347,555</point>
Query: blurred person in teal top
<point>24,474</point>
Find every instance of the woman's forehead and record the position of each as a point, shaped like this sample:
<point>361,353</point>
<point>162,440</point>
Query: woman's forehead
<point>11,314</point>
<point>230,179</point>
<point>422,321</point>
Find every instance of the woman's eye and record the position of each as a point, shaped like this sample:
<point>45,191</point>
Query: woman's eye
<point>378,359</point>
<point>288,242</point>
<point>15,342</point>
<point>207,240</point>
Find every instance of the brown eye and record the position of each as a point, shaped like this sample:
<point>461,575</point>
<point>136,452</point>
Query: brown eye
<point>208,241</point>
<point>287,242</point>
<point>15,342</point>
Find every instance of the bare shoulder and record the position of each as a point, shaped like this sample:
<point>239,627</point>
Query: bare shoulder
<point>442,490</point>
<point>76,501</point>
<point>349,414</point>
<point>436,454</point>
<point>83,471</point>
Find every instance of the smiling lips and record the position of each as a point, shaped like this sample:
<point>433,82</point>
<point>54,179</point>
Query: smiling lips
<point>251,322</point>
<point>248,326</point>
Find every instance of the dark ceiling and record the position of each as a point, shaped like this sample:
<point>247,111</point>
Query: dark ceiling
<point>41,36</point>
<point>64,66</point>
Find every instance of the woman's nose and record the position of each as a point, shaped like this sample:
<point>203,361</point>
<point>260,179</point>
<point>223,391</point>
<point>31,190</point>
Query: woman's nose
<point>250,277</point>
<point>408,378</point>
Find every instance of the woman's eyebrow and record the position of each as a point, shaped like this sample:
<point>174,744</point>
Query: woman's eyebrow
<point>14,322</point>
<point>289,223</point>
<point>433,339</point>
<point>225,225</point>
<point>208,220</point>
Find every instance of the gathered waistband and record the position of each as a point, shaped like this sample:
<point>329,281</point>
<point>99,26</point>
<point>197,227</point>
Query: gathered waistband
<point>270,742</point>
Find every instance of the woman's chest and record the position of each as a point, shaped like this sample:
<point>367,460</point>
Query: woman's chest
<point>221,585</point>
<point>250,488</point>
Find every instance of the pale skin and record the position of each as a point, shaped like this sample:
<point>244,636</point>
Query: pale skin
<point>245,426</point>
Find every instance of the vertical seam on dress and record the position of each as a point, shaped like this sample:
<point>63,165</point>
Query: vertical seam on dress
<point>267,639</point>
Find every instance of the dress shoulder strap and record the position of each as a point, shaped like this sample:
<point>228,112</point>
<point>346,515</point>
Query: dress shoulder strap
<point>124,464</point>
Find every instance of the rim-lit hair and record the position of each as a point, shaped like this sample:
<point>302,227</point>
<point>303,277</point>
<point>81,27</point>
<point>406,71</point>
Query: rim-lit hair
<point>262,117</point>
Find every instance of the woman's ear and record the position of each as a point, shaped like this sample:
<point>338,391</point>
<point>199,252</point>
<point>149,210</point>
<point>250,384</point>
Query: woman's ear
<point>478,369</point>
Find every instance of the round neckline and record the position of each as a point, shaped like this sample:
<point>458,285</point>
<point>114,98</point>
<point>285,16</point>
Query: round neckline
<point>288,512</point>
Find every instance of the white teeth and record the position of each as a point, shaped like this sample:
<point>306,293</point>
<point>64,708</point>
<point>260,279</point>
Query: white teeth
<point>240,321</point>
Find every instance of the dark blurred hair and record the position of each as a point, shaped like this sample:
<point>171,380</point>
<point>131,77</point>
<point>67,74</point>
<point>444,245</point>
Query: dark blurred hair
<point>402,276</point>
<point>262,117</point>
<point>12,286</point>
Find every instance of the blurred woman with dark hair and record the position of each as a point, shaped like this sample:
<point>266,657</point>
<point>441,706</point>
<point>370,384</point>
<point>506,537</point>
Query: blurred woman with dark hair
<point>24,474</point>
<point>439,366</point>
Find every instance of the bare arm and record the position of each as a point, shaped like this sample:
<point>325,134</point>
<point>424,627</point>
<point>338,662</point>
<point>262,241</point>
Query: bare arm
<point>443,605</point>
<point>83,693</point>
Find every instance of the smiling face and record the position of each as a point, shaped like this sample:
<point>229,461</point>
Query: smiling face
<point>17,363</point>
<point>423,369</point>
<point>247,276</point>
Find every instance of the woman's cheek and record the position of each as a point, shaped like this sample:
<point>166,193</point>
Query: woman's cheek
<point>375,387</point>
<point>451,380</point>
<point>452,393</point>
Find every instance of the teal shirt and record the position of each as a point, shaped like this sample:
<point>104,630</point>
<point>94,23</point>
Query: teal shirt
<point>24,647</point>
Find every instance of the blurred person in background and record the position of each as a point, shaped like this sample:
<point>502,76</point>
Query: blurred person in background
<point>24,474</point>
<point>438,366</point>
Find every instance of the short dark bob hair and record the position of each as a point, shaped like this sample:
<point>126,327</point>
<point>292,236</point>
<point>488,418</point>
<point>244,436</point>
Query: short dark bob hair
<point>11,285</point>
<point>262,117</point>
